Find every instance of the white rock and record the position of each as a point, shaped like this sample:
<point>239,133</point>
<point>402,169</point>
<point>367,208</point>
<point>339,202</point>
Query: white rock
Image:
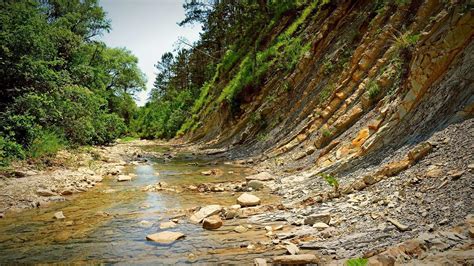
<point>263,176</point>
<point>320,226</point>
<point>122,178</point>
<point>59,215</point>
<point>247,200</point>
<point>204,212</point>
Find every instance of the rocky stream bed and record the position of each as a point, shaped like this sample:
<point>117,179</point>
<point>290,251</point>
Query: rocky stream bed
<point>145,202</point>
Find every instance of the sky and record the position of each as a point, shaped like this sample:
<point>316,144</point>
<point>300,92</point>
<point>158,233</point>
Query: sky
<point>148,28</point>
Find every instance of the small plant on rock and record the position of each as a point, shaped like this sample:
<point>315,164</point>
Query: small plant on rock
<point>326,132</point>
<point>356,262</point>
<point>332,181</point>
<point>373,90</point>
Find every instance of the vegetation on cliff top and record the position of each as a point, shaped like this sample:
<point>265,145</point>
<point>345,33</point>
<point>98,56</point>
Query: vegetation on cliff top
<point>239,48</point>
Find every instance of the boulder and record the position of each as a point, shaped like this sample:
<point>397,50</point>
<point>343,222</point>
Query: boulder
<point>255,184</point>
<point>248,200</point>
<point>211,223</point>
<point>45,192</point>
<point>204,212</point>
<point>59,215</point>
<point>295,259</point>
<point>318,217</point>
<point>165,237</point>
<point>263,176</point>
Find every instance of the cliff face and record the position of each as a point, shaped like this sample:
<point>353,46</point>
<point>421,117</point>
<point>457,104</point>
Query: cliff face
<point>376,77</point>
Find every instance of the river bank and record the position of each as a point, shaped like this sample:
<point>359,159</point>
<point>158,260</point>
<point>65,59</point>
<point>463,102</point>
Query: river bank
<point>402,216</point>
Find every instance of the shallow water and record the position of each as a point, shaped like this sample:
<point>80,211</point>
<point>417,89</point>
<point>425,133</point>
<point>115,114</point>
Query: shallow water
<point>87,235</point>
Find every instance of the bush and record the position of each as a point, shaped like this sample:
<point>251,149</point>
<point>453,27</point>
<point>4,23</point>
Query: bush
<point>108,127</point>
<point>373,90</point>
<point>9,151</point>
<point>46,144</point>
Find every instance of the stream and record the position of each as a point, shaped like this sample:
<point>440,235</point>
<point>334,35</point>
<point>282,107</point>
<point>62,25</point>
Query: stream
<point>107,224</point>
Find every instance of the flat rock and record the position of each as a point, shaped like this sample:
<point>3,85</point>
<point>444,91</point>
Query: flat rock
<point>204,212</point>
<point>166,225</point>
<point>295,259</point>
<point>211,223</point>
<point>45,192</point>
<point>318,217</point>
<point>59,215</point>
<point>247,200</point>
<point>320,226</point>
<point>165,237</point>
<point>123,178</point>
<point>263,176</point>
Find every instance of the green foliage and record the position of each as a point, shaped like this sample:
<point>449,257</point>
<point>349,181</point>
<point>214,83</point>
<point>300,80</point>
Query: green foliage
<point>286,86</point>
<point>256,118</point>
<point>356,262</point>
<point>286,50</point>
<point>328,67</point>
<point>262,136</point>
<point>46,144</point>
<point>164,118</point>
<point>10,150</point>
<point>326,132</point>
<point>325,93</point>
<point>232,57</point>
<point>404,40</point>
<point>59,86</point>
<point>373,89</point>
<point>331,180</point>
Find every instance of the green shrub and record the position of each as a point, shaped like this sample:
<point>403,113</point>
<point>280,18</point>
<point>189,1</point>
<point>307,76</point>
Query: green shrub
<point>328,67</point>
<point>356,262</point>
<point>373,89</point>
<point>326,132</point>
<point>404,40</point>
<point>46,144</point>
<point>325,93</point>
<point>108,127</point>
<point>9,151</point>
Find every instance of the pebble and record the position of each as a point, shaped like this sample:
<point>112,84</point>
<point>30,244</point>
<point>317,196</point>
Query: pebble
<point>59,215</point>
